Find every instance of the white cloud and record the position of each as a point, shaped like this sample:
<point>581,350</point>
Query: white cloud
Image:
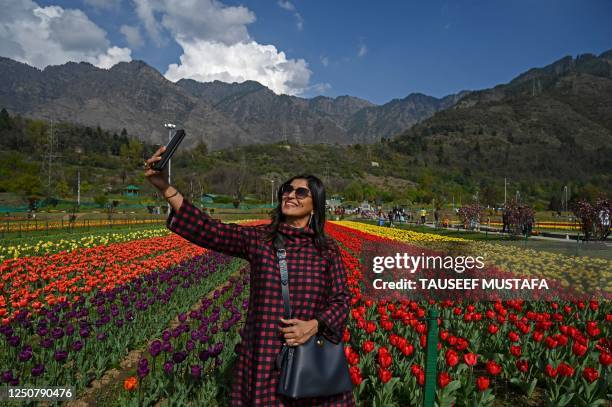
<point>132,36</point>
<point>363,50</point>
<point>112,56</point>
<point>287,5</point>
<point>104,4</point>
<point>325,61</point>
<point>217,45</point>
<point>206,61</point>
<point>320,88</point>
<point>300,21</point>
<point>42,36</point>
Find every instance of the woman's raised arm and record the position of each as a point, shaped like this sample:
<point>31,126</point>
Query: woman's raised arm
<point>199,228</point>
<point>188,221</point>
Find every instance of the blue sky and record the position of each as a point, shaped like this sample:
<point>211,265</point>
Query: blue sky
<point>374,50</point>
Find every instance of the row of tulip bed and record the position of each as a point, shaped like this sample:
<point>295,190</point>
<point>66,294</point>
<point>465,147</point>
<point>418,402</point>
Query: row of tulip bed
<point>67,317</point>
<point>35,246</point>
<point>556,353</point>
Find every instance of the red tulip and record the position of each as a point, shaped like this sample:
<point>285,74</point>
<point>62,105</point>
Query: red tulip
<point>384,360</point>
<point>421,379</point>
<point>579,349</point>
<point>516,350</point>
<point>513,336</point>
<point>565,370</point>
<point>550,342</point>
<point>590,374</point>
<point>368,346</point>
<point>384,375</point>
<point>355,374</point>
<point>346,336</point>
<point>443,379</point>
<point>408,349</point>
<point>522,365</point>
<point>462,344</point>
<point>452,358</point>
<point>387,325</point>
<point>353,358</point>
<point>605,358</point>
<point>537,336</point>
<point>551,371</point>
<point>482,383</point>
<point>493,368</point>
<point>493,329</point>
<point>470,358</point>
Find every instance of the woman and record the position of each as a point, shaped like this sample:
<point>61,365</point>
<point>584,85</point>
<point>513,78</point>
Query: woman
<point>317,281</point>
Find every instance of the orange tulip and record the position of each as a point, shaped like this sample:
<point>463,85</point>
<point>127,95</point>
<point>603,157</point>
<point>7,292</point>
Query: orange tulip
<point>130,383</point>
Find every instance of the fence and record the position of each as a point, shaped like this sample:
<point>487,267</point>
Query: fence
<point>22,226</point>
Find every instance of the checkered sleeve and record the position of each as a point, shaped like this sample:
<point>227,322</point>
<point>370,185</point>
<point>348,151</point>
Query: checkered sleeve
<point>335,314</point>
<point>199,228</point>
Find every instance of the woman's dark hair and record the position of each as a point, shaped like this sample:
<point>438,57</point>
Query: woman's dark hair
<point>317,191</point>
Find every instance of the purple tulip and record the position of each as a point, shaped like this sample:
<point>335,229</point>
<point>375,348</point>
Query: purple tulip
<point>84,332</point>
<point>196,371</point>
<point>119,323</point>
<point>204,355</point>
<point>179,356</point>
<point>101,336</point>
<point>143,368</point>
<point>25,354</point>
<point>60,355</point>
<point>14,341</point>
<point>38,370</point>
<point>168,367</point>
<point>69,329</point>
<point>57,332</point>
<point>7,376</point>
<point>77,345</point>
<point>182,317</point>
<point>155,348</point>
<point>167,347</point>
<point>46,343</point>
<point>190,345</point>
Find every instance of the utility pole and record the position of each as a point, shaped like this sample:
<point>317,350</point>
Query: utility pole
<point>50,155</point>
<point>272,200</point>
<point>505,186</point>
<point>79,188</point>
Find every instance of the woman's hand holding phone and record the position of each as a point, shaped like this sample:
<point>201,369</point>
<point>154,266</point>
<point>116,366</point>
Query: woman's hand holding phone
<point>159,179</point>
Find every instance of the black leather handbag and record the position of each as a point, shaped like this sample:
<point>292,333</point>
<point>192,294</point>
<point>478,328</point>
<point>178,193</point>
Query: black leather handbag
<point>317,367</point>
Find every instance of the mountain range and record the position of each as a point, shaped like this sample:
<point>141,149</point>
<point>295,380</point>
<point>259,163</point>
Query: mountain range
<point>135,96</point>
<point>554,122</point>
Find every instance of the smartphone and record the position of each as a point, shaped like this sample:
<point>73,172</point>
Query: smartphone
<point>170,150</point>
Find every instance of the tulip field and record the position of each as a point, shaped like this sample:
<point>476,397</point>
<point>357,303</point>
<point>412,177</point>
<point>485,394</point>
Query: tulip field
<point>73,309</point>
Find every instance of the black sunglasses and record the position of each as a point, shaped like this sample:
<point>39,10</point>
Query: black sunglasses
<point>300,192</point>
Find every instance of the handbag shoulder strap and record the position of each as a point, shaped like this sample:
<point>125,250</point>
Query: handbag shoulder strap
<point>281,255</point>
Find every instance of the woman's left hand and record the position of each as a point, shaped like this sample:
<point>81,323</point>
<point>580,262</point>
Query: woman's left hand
<point>299,331</point>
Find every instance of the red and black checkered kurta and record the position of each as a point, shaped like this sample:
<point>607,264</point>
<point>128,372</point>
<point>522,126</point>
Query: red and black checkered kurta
<point>318,289</point>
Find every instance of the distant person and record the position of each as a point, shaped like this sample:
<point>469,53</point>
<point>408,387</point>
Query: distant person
<point>423,216</point>
<point>505,222</point>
